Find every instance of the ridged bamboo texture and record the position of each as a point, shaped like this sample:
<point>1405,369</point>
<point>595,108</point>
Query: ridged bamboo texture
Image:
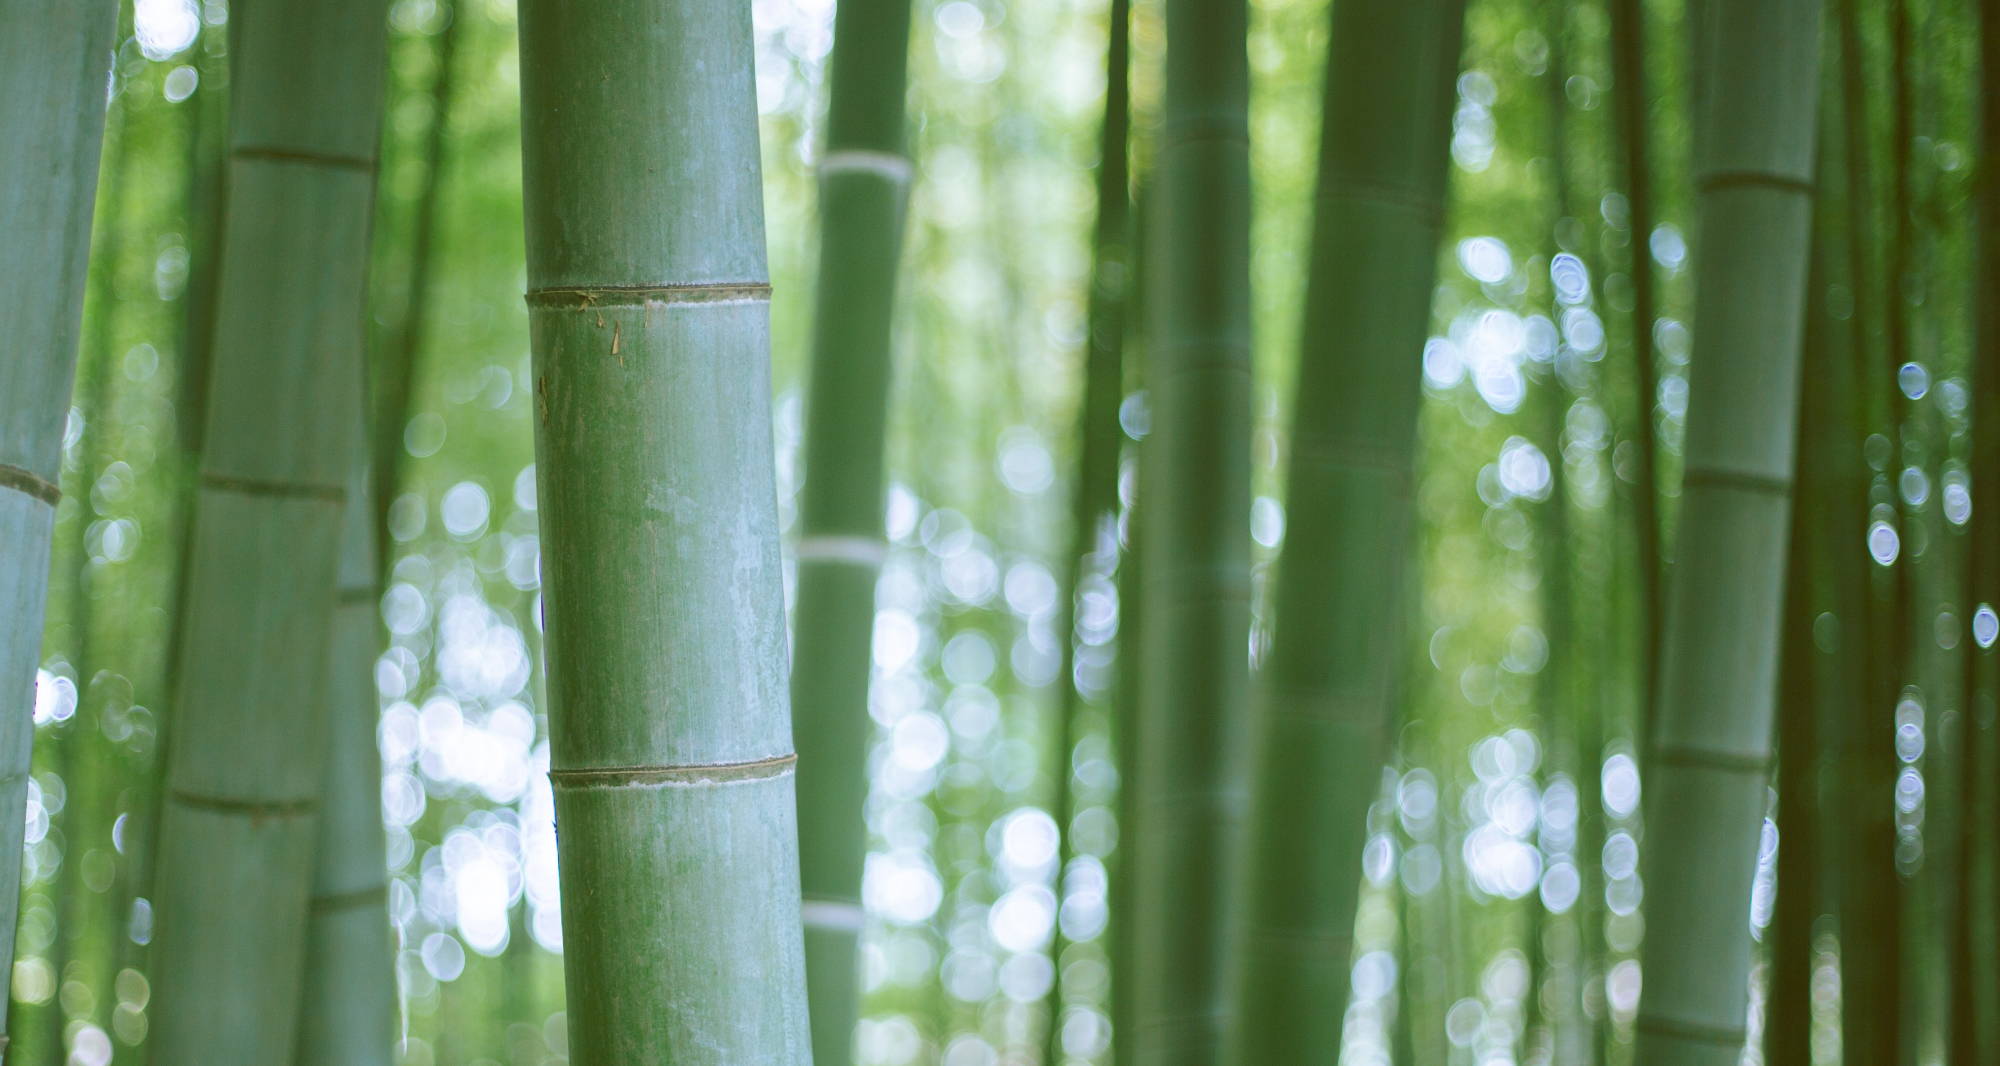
<point>864,181</point>
<point>54,58</point>
<point>347,1016</point>
<point>240,819</point>
<point>1194,535</point>
<point>1328,697</point>
<point>649,314</point>
<point>1708,764</point>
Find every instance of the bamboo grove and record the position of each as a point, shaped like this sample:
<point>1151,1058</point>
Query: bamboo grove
<point>991,532</point>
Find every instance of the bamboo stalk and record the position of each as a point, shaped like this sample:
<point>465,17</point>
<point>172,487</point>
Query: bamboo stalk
<point>238,826</point>
<point>1333,677</point>
<point>54,58</point>
<point>1976,1037</point>
<point>1802,891</point>
<point>1193,654</point>
<point>1631,103</point>
<point>1706,782</point>
<point>672,758</point>
<point>347,1014</point>
<point>396,369</point>
<point>1094,498</point>
<point>864,183</point>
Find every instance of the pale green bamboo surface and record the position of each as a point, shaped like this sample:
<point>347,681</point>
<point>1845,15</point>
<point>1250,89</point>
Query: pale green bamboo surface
<point>1707,777</point>
<point>670,728</point>
<point>53,62</point>
<point>347,1015</point>
<point>246,753</point>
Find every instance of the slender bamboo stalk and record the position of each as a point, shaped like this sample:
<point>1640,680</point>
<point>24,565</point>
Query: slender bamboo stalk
<point>1131,625</point>
<point>238,827</point>
<point>1094,497</point>
<point>1193,654</point>
<point>1631,103</point>
<point>1871,901</point>
<point>54,58</point>
<point>864,184</point>
<point>1802,894</point>
<point>348,1011</point>
<point>1706,782</point>
<point>1977,1036</point>
<point>396,369</point>
<point>1333,676</point>
<point>672,758</point>
<point>83,750</point>
<point>1574,719</point>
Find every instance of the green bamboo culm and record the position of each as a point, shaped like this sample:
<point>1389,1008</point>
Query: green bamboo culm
<point>1706,781</point>
<point>54,59</point>
<point>1977,1036</point>
<point>864,184</point>
<point>671,734</point>
<point>1195,538</point>
<point>239,824</point>
<point>1328,697</point>
<point>1094,494</point>
<point>347,1015</point>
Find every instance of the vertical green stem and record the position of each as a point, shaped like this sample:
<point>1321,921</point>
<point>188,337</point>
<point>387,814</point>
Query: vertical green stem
<point>238,827</point>
<point>671,741</point>
<point>1708,764</point>
<point>1329,699</point>
<point>396,369</point>
<point>1977,1035</point>
<point>1193,654</point>
<point>864,182</point>
<point>53,62</point>
<point>1094,498</point>
<point>348,1012</point>
<point>1631,103</point>
<point>1802,894</point>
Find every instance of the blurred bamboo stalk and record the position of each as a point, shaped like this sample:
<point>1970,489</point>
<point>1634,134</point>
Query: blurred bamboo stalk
<point>1332,681</point>
<point>347,1014</point>
<point>1195,468</point>
<point>1711,744</point>
<point>1094,493</point>
<point>864,174</point>
<point>239,824</point>
<point>395,367</point>
<point>54,58</point>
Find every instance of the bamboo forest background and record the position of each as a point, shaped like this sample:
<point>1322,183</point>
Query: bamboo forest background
<point>1501,911</point>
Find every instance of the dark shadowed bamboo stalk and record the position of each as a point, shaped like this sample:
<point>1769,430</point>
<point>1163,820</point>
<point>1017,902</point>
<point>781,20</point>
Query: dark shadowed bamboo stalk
<point>1871,906</point>
<point>397,367</point>
<point>1711,742</point>
<point>1131,593</point>
<point>238,826</point>
<point>53,62</point>
<point>670,728</point>
<point>1802,892</point>
<point>864,184</point>
<point>1194,661</point>
<point>1328,700</point>
<point>347,1014</point>
<point>1631,104</point>
<point>1094,496</point>
<point>1976,1037</point>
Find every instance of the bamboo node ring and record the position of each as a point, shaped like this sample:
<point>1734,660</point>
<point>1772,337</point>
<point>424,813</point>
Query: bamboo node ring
<point>611,777</point>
